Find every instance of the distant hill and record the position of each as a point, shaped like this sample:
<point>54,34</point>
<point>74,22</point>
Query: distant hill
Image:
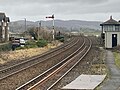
<point>19,26</point>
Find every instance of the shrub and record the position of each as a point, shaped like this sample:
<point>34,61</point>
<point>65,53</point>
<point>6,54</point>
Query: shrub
<point>18,48</point>
<point>42,43</point>
<point>30,44</point>
<point>33,44</point>
<point>5,47</point>
<point>60,38</point>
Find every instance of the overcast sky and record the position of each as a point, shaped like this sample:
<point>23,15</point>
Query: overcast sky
<point>34,10</point>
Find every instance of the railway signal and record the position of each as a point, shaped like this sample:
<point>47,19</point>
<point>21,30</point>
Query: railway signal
<point>53,25</point>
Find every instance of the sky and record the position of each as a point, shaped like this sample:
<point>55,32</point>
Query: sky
<point>36,10</point>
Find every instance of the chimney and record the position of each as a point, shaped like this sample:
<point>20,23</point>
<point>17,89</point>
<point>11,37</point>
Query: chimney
<point>111,17</point>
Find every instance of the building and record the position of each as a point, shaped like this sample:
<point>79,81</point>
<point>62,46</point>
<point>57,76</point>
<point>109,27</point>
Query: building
<point>111,33</point>
<point>4,35</point>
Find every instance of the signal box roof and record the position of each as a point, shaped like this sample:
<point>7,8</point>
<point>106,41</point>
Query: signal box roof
<point>111,21</point>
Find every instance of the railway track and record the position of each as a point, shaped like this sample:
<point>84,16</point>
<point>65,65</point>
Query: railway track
<point>19,69</point>
<point>59,70</point>
<point>6,67</point>
<point>25,64</point>
<point>77,61</point>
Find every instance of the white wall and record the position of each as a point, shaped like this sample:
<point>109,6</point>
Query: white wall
<point>108,39</point>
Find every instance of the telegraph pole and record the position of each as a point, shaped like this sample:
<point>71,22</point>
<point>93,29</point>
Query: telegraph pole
<point>39,28</point>
<point>25,25</point>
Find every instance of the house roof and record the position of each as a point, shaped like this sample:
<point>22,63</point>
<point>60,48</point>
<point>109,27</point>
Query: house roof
<point>2,16</point>
<point>111,21</point>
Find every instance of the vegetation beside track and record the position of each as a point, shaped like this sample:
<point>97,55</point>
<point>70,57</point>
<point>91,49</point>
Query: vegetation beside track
<point>117,59</point>
<point>116,53</point>
<point>29,51</point>
<point>100,67</point>
<point>5,47</point>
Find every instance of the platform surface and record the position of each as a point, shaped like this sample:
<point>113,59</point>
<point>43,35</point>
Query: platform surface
<point>85,82</point>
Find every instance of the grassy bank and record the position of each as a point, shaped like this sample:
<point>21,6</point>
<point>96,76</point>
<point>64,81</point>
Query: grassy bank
<point>117,59</point>
<point>19,54</point>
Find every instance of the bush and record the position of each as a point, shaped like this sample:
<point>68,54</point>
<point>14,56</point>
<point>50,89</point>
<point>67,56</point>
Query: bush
<point>18,48</point>
<point>5,47</point>
<point>33,44</point>
<point>42,43</point>
<point>60,38</point>
<point>30,44</point>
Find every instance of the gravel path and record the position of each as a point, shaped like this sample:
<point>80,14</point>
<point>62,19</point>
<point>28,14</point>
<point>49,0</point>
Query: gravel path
<point>113,82</point>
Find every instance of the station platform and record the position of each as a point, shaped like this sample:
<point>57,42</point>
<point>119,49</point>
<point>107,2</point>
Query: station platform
<point>85,82</point>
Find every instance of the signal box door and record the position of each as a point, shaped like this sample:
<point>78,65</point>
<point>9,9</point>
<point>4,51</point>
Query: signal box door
<point>114,40</point>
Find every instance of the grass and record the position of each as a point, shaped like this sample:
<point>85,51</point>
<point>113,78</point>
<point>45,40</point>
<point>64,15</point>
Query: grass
<point>92,33</point>
<point>104,70</point>
<point>117,62</point>
<point>117,59</point>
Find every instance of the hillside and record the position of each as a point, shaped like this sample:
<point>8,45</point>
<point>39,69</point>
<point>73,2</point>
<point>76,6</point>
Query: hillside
<point>19,26</point>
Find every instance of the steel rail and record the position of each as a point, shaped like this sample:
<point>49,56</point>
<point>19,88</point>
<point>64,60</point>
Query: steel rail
<point>35,63</point>
<point>54,67</point>
<point>34,58</point>
<point>51,74</point>
<point>50,87</point>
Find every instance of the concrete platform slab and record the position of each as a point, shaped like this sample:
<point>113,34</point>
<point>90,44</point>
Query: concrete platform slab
<point>85,82</point>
